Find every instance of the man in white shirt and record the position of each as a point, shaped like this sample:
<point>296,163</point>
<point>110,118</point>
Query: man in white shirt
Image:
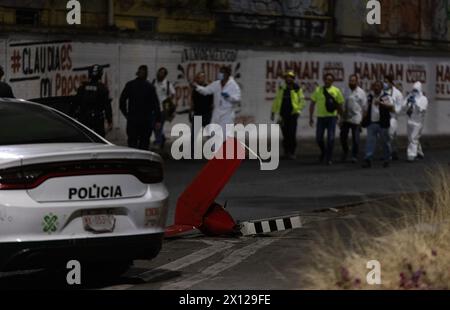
<point>166,92</point>
<point>416,104</point>
<point>377,120</point>
<point>355,104</point>
<point>397,99</point>
<point>227,96</point>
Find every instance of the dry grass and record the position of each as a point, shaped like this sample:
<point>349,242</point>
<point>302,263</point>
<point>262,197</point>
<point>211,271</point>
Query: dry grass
<point>414,253</point>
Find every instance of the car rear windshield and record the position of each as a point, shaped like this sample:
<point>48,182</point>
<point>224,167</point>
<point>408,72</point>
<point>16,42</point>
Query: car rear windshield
<point>26,123</point>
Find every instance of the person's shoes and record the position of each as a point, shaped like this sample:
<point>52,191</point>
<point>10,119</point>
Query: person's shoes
<point>343,158</point>
<point>354,160</point>
<point>421,157</point>
<point>386,164</point>
<point>329,163</point>
<point>411,160</point>
<point>367,164</point>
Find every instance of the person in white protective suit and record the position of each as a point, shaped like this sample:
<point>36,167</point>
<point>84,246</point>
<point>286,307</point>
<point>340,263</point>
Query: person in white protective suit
<point>416,106</point>
<point>398,100</point>
<point>227,96</point>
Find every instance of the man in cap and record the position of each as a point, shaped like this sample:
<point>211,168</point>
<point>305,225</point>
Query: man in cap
<point>92,103</point>
<point>288,104</point>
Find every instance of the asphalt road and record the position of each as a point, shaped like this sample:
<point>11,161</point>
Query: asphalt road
<point>304,185</point>
<point>275,261</point>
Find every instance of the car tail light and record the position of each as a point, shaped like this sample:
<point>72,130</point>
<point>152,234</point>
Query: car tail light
<point>17,179</point>
<point>149,174</point>
<point>29,177</point>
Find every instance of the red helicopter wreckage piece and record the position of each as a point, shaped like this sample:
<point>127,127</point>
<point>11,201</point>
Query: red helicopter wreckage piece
<point>197,208</point>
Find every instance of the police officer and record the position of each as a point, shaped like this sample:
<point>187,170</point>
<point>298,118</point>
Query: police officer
<point>92,103</point>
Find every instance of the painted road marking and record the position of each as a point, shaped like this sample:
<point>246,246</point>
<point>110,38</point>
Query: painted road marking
<point>234,258</point>
<point>280,225</point>
<point>214,248</point>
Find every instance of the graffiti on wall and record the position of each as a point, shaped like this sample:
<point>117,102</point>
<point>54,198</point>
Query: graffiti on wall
<point>24,3</point>
<point>412,18</point>
<point>37,68</point>
<point>443,81</point>
<point>132,6</point>
<point>309,73</point>
<point>286,8</point>
<point>209,61</point>
<point>280,16</point>
<point>202,59</point>
<point>405,75</point>
<point>45,69</point>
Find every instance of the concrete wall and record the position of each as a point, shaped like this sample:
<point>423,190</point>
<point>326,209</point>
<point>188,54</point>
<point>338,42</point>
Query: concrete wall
<point>38,67</point>
<point>415,19</point>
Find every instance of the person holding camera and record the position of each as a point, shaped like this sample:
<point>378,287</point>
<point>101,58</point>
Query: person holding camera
<point>377,120</point>
<point>416,105</point>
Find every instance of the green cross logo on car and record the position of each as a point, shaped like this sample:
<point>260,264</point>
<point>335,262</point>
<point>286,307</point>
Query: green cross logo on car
<point>50,223</point>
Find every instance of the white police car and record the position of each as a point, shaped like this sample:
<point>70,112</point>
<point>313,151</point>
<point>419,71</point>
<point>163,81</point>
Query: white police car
<point>67,194</point>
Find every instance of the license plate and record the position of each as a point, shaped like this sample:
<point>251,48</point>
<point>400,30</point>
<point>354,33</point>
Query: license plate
<point>99,222</point>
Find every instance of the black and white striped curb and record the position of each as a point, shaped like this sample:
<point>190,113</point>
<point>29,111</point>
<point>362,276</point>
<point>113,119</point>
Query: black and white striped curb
<point>266,226</point>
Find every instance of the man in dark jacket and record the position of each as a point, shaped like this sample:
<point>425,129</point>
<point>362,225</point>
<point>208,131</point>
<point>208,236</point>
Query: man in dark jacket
<point>377,120</point>
<point>92,103</point>
<point>5,89</point>
<point>140,105</point>
<point>201,106</point>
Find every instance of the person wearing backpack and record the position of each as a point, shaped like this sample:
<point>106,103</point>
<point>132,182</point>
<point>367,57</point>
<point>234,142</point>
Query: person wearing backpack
<point>326,102</point>
<point>288,104</point>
